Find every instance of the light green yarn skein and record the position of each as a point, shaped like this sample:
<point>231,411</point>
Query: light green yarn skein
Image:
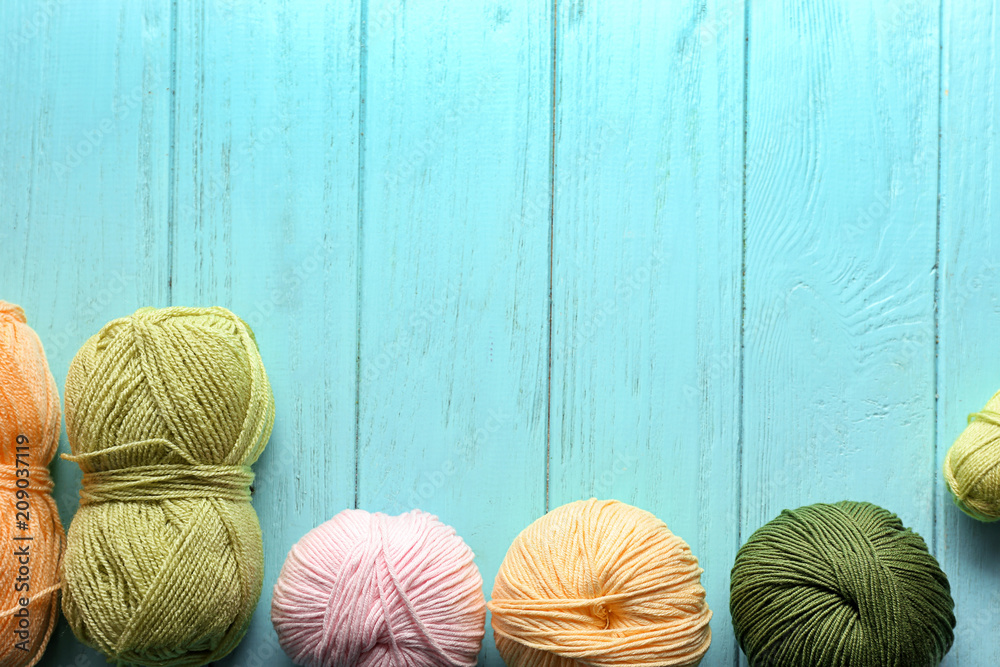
<point>972,465</point>
<point>166,410</point>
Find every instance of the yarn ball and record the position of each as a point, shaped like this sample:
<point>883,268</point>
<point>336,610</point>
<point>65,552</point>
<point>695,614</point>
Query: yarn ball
<point>972,465</point>
<point>381,591</point>
<point>836,585</point>
<point>166,410</point>
<point>30,530</point>
<point>599,583</point>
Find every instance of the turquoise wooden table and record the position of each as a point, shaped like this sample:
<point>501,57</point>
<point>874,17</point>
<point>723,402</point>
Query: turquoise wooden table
<point>714,258</point>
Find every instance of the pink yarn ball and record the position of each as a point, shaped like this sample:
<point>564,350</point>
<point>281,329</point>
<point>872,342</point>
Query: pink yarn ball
<point>375,590</point>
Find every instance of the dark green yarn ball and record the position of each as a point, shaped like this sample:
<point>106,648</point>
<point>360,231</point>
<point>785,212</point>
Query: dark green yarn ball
<point>842,585</point>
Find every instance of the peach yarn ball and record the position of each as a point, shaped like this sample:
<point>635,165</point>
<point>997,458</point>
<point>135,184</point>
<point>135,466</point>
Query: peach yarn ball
<point>600,583</point>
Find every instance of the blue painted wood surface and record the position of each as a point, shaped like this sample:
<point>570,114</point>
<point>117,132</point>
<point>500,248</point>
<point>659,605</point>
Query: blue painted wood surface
<point>713,258</point>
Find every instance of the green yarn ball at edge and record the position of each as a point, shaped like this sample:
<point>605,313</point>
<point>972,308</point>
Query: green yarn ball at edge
<point>840,585</point>
<point>166,410</point>
<point>972,465</point>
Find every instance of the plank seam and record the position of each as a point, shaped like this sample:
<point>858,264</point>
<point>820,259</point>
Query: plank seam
<point>552,218</point>
<point>743,298</point>
<point>937,286</point>
<point>362,91</point>
<point>172,154</point>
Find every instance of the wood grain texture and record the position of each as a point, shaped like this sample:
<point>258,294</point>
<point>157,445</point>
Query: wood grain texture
<point>265,202</point>
<point>454,287</point>
<point>646,281</point>
<point>969,310</point>
<point>83,147</point>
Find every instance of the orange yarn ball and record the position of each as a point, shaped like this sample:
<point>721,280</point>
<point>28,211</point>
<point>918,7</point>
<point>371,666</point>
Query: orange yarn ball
<point>598,583</point>
<point>31,534</point>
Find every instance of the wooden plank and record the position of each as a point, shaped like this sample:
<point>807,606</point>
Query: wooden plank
<point>454,287</point>
<point>266,224</point>
<point>968,370</point>
<point>646,277</point>
<point>83,142</point>
<point>840,258</point>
